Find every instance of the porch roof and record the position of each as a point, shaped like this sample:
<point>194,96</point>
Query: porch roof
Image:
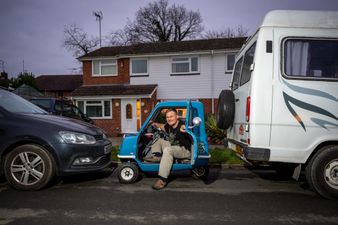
<point>115,91</point>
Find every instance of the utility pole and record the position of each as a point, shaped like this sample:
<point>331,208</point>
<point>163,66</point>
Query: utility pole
<point>99,17</point>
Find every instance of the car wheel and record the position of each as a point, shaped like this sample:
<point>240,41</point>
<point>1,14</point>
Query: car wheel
<point>201,172</point>
<point>28,167</point>
<point>128,173</point>
<point>322,172</point>
<point>225,109</point>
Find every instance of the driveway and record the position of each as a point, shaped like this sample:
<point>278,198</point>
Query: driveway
<point>229,196</point>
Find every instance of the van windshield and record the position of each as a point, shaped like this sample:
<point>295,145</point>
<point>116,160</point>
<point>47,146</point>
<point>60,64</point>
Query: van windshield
<point>14,103</point>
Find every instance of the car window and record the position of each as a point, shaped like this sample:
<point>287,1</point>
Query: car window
<point>237,73</point>
<point>14,103</point>
<point>248,60</point>
<point>42,103</point>
<point>308,58</point>
<point>58,106</point>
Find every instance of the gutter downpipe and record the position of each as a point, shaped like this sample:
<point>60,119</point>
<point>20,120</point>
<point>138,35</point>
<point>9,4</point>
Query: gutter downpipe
<point>212,83</point>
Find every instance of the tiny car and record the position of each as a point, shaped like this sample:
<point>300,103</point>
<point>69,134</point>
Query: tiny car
<point>61,107</point>
<point>35,146</point>
<point>135,147</point>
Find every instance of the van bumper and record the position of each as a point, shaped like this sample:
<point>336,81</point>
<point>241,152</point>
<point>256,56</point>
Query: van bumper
<point>250,153</point>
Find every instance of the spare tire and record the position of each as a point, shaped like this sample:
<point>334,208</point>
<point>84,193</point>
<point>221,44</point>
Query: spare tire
<point>225,109</point>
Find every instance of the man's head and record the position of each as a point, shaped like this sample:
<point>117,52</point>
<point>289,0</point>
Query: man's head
<point>171,117</point>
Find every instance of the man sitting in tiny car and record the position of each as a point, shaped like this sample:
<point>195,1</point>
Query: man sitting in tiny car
<point>177,146</point>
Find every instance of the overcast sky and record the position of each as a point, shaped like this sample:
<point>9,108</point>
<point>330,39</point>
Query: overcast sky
<point>32,30</point>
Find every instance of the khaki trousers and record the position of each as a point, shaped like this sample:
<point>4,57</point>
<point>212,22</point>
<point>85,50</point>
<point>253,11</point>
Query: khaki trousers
<point>168,154</point>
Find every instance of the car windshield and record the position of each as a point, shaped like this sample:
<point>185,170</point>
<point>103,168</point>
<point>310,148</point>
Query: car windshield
<point>14,103</point>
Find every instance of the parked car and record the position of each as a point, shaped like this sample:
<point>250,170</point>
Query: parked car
<point>135,147</point>
<point>35,145</point>
<point>61,107</point>
<point>283,104</point>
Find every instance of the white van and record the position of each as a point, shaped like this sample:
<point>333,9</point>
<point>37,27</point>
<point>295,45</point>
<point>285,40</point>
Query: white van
<point>283,102</point>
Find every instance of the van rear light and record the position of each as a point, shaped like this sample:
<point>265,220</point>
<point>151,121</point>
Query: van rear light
<point>247,114</point>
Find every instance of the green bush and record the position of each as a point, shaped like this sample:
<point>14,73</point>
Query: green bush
<point>216,135</point>
<point>114,152</point>
<point>223,155</point>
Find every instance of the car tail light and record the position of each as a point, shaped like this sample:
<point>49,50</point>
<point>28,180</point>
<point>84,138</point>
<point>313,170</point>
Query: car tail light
<point>247,114</point>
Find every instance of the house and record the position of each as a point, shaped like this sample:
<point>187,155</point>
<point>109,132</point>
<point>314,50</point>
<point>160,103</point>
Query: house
<point>28,92</point>
<point>122,84</point>
<point>58,86</point>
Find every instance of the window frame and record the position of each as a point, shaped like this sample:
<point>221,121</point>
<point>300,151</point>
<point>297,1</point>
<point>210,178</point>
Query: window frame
<point>132,74</point>
<point>240,61</point>
<point>115,63</point>
<point>190,72</point>
<point>254,44</point>
<point>102,101</point>
<point>283,61</point>
<point>227,70</point>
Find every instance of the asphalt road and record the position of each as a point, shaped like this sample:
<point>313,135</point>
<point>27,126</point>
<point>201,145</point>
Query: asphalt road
<point>229,196</point>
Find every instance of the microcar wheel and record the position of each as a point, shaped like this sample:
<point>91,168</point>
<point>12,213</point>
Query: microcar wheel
<point>225,109</point>
<point>322,172</point>
<point>128,173</point>
<point>29,167</point>
<point>200,172</point>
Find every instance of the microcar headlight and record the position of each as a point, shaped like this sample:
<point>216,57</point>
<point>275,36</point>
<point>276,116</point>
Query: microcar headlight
<point>77,138</point>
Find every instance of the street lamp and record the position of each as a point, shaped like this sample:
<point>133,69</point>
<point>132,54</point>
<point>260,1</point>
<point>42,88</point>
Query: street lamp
<point>99,17</point>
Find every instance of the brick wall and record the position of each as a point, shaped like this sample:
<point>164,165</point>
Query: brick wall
<point>121,78</point>
<point>208,105</point>
<point>112,127</point>
<point>149,104</point>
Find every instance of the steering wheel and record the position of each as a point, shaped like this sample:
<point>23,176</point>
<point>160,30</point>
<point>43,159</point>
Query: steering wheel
<point>159,131</point>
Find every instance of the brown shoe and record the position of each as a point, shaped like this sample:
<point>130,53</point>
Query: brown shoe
<point>159,184</point>
<point>153,159</point>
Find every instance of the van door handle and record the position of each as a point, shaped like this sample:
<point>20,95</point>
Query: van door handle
<point>237,100</point>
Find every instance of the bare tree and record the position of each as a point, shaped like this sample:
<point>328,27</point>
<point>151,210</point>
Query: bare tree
<point>77,41</point>
<point>187,24</point>
<point>160,22</point>
<point>239,31</point>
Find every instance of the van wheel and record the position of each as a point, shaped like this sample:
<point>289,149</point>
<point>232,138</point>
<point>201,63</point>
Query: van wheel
<point>322,172</point>
<point>225,109</point>
<point>28,167</point>
<point>128,173</point>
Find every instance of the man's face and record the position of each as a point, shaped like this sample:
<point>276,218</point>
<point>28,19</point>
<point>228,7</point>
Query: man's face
<point>171,118</point>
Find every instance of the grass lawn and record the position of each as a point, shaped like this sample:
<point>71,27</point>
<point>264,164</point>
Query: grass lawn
<point>218,156</point>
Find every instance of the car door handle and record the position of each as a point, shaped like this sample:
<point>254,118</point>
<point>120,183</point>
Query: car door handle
<point>237,100</point>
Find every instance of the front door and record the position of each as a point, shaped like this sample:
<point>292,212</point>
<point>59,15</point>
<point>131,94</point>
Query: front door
<point>128,116</point>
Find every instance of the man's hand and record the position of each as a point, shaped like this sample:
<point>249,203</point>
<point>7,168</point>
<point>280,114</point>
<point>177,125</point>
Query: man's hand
<point>182,129</point>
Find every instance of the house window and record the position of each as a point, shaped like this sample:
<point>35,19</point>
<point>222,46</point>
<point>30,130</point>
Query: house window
<point>184,65</point>
<point>230,61</point>
<point>96,109</point>
<point>139,67</point>
<point>107,67</point>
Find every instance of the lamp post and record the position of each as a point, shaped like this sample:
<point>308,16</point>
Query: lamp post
<point>99,17</point>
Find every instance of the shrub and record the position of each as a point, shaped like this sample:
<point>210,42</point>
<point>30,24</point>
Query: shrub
<point>215,134</point>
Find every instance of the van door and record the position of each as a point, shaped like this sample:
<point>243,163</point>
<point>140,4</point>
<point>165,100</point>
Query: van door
<point>241,86</point>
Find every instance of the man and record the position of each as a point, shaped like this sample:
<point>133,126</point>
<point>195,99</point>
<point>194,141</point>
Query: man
<point>178,146</point>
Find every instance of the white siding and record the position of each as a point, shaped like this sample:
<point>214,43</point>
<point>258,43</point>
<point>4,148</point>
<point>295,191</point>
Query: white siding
<point>211,80</point>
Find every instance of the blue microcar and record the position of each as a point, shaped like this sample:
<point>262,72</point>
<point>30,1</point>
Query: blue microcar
<point>135,147</point>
